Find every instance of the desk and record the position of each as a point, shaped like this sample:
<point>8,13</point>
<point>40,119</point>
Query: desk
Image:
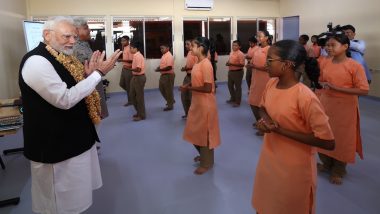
<point>8,112</point>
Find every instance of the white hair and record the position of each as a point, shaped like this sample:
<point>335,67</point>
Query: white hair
<point>80,21</point>
<point>52,22</point>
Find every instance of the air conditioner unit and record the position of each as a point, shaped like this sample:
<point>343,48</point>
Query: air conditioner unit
<point>199,4</point>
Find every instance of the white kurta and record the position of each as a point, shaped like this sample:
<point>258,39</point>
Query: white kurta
<point>64,187</point>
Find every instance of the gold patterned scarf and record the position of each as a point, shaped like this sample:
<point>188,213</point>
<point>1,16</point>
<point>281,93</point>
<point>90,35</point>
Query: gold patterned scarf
<point>76,69</point>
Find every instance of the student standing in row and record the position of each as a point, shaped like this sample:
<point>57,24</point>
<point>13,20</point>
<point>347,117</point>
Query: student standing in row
<point>249,56</point>
<point>190,61</point>
<point>316,48</point>
<point>235,73</point>
<point>138,82</point>
<point>344,80</point>
<point>126,73</point>
<point>260,75</point>
<point>202,125</point>
<point>166,82</point>
<point>295,124</point>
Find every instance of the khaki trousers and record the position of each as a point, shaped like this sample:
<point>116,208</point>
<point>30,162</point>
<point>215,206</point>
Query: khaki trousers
<point>137,94</point>
<point>248,77</point>
<point>125,81</point>
<point>234,85</point>
<point>166,85</point>
<point>335,166</point>
<point>186,95</point>
<point>207,156</point>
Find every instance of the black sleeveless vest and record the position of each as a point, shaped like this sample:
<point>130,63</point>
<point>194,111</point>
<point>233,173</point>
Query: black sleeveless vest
<point>51,134</point>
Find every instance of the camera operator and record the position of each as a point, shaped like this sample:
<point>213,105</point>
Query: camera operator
<point>357,49</point>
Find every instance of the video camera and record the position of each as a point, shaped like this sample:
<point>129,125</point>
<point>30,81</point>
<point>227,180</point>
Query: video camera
<point>322,38</point>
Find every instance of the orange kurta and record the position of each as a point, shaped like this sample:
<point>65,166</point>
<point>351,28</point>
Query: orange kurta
<point>190,60</point>
<point>202,124</point>
<point>285,180</point>
<point>167,59</point>
<point>236,57</point>
<point>259,78</point>
<point>342,108</point>
<point>251,51</point>
<point>127,55</point>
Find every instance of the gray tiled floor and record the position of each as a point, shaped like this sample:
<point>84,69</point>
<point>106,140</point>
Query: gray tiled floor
<point>147,167</point>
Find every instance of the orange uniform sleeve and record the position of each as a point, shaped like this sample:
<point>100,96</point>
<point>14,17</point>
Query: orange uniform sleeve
<point>207,72</point>
<point>359,78</point>
<point>315,117</point>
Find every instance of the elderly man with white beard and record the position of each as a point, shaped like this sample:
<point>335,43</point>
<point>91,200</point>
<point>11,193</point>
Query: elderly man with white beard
<point>61,107</point>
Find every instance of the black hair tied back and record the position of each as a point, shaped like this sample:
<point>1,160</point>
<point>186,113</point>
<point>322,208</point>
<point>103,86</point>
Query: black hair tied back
<point>313,72</point>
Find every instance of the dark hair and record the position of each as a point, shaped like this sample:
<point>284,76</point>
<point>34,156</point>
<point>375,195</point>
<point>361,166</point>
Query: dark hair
<point>165,45</point>
<point>135,44</point>
<point>292,51</point>
<point>237,42</point>
<point>314,36</point>
<point>204,42</point>
<point>252,39</point>
<point>266,34</point>
<point>125,37</point>
<point>342,39</point>
<point>305,37</point>
<point>349,27</point>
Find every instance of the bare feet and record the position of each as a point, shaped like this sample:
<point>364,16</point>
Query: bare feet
<point>197,159</point>
<point>336,179</point>
<point>201,170</point>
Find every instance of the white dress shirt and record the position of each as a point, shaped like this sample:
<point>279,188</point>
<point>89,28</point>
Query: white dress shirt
<point>40,75</point>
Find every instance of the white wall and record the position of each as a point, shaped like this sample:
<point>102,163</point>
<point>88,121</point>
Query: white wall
<point>364,15</point>
<point>173,8</point>
<point>12,45</point>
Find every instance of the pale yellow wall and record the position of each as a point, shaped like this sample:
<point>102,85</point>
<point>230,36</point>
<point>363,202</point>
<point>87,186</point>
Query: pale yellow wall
<point>12,45</point>
<point>173,8</point>
<point>364,15</point>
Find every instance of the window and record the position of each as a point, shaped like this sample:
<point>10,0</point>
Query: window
<point>158,31</point>
<point>220,34</point>
<point>131,27</point>
<point>193,28</point>
<point>245,30</point>
<point>98,37</point>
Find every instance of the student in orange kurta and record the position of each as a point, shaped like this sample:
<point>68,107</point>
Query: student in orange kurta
<point>295,124</point>
<point>235,63</point>
<point>343,80</point>
<point>253,47</point>
<point>166,82</point>
<point>202,125</point>
<point>138,82</point>
<point>260,75</point>
<point>190,62</point>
